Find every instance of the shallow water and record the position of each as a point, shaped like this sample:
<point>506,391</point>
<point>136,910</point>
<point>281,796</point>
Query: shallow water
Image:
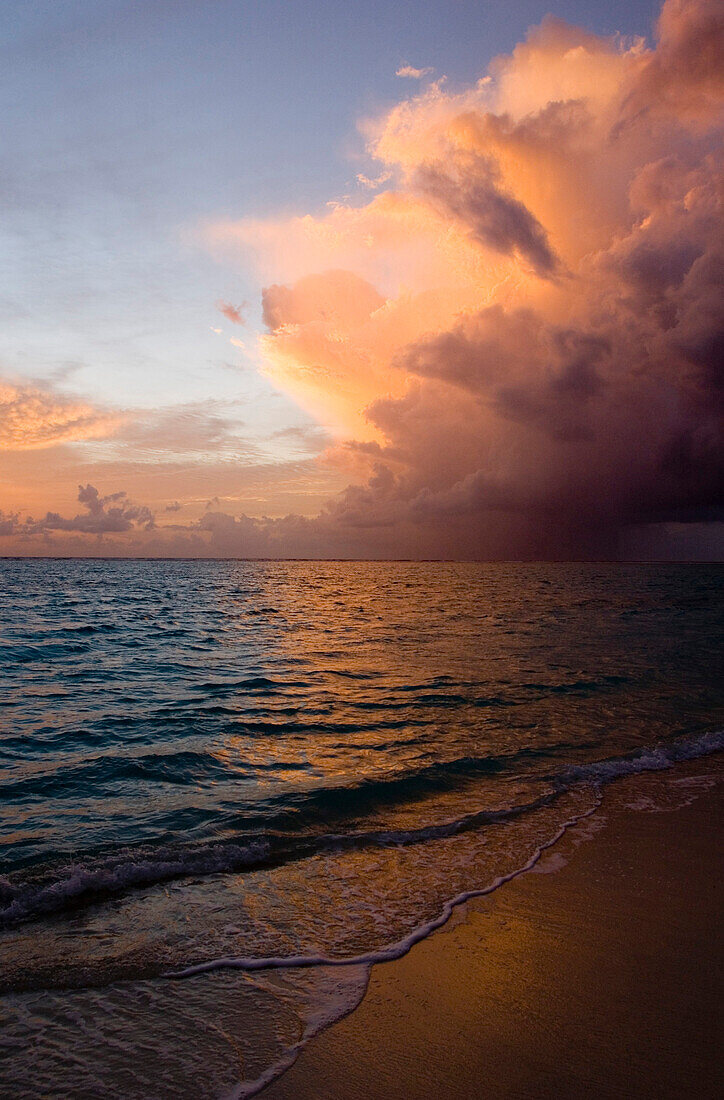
<point>265,760</point>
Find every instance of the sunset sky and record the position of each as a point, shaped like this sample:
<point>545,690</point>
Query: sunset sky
<point>379,279</point>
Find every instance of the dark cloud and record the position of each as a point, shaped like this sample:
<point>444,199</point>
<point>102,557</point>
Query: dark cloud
<point>465,188</point>
<point>9,523</point>
<point>112,514</point>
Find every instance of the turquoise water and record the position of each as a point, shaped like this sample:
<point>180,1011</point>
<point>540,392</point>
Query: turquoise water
<point>203,760</point>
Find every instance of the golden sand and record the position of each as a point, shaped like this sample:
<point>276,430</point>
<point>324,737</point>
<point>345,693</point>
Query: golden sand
<point>601,978</point>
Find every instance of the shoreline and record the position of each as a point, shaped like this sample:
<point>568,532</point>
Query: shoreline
<point>595,973</point>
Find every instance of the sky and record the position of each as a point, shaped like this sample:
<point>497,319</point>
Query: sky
<point>436,279</point>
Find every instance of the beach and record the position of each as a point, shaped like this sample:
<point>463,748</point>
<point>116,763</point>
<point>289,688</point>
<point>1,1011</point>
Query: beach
<point>362,550</point>
<point>231,837</point>
<point>600,977</point>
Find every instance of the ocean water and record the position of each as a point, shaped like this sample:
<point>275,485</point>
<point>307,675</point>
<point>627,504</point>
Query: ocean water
<point>228,787</point>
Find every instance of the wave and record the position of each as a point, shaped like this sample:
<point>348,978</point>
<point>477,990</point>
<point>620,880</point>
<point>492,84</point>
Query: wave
<point>24,653</point>
<point>651,759</point>
<point>656,760</point>
<point>188,767</point>
<point>252,684</point>
<point>76,884</point>
<point>103,773</point>
<point>391,951</point>
<point>245,1088</point>
<point>89,882</point>
<point>597,774</point>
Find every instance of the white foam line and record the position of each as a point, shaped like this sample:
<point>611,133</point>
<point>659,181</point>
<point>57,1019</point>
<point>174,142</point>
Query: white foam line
<point>658,759</point>
<point>387,954</point>
<point>33,901</point>
<point>247,1089</point>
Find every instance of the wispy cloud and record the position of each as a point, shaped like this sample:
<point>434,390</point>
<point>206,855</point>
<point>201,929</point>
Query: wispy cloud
<point>412,73</point>
<point>232,313</point>
<point>194,428</point>
<point>373,184</point>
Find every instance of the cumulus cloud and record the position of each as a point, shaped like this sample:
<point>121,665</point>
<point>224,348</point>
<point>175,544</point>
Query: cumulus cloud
<point>524,333</point>
<point>112,514</point>
<point>9,523</point>
<point>685,76</point>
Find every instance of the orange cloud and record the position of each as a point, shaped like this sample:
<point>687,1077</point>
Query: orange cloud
<point>528,320</point>
<point>32,418</point>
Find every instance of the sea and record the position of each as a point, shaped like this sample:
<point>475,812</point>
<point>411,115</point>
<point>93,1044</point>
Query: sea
<point>229,788</point>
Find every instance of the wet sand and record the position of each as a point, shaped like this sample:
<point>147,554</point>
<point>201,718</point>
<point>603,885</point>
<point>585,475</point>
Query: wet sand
<point>600,978</point>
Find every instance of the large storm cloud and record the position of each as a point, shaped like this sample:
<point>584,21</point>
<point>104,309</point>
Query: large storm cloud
<point>523,334</point>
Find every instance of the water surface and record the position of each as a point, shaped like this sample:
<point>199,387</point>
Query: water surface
<point>264,760</point>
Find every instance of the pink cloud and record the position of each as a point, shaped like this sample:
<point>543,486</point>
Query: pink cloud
<point>232,313</point>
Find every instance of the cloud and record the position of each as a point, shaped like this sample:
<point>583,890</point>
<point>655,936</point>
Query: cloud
<point>517,346</point>
<point>202,428</point>
<point>32,417</point>
<point>309,438</point>
<point>685,76</point>
<point>323,320</point>
<point>232,313</point>
<point>9,523</point>
<point>413,74</point>
<point>468,192</point>
<point>521,339</point>
<point>373,184</point>
<point>112,514</point>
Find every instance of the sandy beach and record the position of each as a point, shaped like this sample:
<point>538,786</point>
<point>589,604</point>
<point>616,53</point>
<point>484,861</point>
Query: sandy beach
<point>597,975</point>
